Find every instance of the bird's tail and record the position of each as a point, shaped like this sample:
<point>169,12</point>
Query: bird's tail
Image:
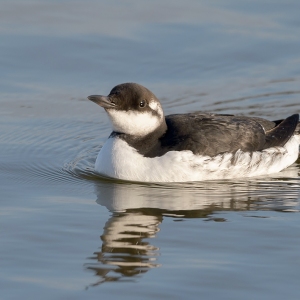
<point>297,133</point>
<point>280,134</point>
<point>297,130</point>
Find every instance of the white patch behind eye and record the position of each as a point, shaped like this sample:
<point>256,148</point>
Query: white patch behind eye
<point>154,105</point>
<point>133,123</point>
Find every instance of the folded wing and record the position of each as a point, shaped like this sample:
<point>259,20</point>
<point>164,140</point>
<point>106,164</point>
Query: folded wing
<point>209,134</point>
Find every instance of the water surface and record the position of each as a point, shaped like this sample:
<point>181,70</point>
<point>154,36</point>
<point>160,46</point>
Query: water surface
<point>66,233</point>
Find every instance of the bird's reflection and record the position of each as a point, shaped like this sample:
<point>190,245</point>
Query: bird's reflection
<point>128,239</point>
<point>126,251</point>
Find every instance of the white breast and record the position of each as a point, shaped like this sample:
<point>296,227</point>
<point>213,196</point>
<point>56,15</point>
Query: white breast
<point>118,160</point>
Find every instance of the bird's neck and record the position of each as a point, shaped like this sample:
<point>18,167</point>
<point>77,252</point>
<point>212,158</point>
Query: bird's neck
<point>148,145</point>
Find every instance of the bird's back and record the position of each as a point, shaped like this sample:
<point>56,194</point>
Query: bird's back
<point>212,134</point>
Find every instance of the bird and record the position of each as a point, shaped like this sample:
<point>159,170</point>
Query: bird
<point>147,146</point>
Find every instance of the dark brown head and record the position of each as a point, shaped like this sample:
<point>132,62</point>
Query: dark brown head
<point>132,109</point>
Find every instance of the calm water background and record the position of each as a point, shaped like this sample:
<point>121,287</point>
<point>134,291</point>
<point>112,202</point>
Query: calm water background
<point>68,234</point>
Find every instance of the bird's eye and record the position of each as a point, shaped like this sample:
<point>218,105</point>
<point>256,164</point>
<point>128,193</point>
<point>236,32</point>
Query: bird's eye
<point>142,103</point>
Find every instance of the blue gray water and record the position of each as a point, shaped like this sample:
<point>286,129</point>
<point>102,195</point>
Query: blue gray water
<point>66,233</point>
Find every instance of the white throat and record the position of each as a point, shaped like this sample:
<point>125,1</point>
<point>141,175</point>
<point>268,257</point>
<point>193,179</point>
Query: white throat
<point>135,123</point>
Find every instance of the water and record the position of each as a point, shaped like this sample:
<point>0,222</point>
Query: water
<point>66,233</point>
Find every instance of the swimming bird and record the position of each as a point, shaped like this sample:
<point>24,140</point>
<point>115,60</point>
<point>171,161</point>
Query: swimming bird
<point>147,146</point>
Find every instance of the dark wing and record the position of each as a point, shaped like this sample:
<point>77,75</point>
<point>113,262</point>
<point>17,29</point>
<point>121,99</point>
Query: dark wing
<point>212,134</point>
<point>209,134</point>
<point>266,124</point>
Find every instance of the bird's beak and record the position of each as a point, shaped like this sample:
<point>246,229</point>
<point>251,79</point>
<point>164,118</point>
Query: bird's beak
<point>103,101</point>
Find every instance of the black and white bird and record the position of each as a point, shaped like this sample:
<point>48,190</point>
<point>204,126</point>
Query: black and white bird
<point>147,146</point>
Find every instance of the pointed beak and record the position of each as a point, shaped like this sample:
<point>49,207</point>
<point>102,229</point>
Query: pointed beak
<point>103,101</point>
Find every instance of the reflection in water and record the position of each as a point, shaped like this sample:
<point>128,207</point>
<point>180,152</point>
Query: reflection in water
<point>124,251</point>
<point>137,211</point>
